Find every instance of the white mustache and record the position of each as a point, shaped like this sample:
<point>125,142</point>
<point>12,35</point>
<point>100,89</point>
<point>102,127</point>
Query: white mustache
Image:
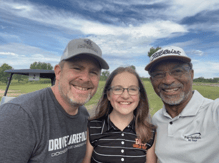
<point>170,86</point>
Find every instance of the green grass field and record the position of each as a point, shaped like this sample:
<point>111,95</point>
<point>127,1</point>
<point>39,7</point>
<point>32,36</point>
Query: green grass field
<point>155,103</point>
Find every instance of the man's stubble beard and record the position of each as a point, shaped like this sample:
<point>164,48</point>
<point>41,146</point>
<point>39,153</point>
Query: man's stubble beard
<point>170,99</point>
<point>72,101</point>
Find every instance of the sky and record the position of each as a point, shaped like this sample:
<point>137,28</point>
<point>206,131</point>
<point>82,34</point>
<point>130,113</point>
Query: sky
<point>39,30</point>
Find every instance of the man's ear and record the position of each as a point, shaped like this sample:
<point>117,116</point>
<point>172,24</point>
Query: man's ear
<point>57,71</point>
<point>192,74</point>
<point>151,79</point>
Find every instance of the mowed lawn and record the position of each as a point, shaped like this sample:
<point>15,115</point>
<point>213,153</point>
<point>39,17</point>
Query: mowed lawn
<point>155,103</point>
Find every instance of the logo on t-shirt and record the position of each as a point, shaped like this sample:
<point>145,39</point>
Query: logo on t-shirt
<point>193,137</point>
<point>138,144</point>
<point>63,144</point>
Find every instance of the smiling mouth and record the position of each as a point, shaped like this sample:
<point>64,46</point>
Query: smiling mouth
<point>81,88</point>
<point>125,103</point>
<point>172,90</point>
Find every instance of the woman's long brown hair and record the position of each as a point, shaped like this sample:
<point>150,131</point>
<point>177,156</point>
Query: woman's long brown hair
<point>142,125</point>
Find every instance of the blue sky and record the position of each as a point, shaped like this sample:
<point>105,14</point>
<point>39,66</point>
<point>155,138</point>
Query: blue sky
<point>125,30</point>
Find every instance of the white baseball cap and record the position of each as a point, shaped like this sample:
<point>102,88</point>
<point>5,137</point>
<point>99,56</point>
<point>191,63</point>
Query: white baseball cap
<point>84,46</point>
<point>165,53</point>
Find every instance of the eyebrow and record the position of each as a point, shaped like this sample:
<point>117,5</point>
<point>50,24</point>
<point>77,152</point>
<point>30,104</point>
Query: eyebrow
<point>81,66</point>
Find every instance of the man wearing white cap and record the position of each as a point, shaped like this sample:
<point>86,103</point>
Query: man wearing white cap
<point>188,123</point>
<point>50,125</point>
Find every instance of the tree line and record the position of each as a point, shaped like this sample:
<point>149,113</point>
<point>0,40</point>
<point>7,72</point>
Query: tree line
<point>104,74</point>
<point>203,80</point>
<point>37,65</point>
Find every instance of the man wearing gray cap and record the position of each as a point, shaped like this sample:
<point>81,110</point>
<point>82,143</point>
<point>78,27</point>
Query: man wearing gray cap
<point>50,125</point>
<point>188,123</point>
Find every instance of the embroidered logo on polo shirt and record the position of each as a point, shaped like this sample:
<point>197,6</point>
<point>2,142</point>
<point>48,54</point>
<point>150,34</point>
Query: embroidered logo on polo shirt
<point>193,137</point>
<point>138,144</point>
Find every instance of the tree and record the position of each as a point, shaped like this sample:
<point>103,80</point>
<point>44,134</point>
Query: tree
<point>133,67</point>
<point>3,75</point>
<point>104,75</point>
<point>41,66</point>
<point>152,51</point>
<point>19,77</point>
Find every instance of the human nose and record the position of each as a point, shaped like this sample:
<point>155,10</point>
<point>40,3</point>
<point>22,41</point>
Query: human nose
<point>125,93</point>
<point>85,76</point>
<point>168,78</point>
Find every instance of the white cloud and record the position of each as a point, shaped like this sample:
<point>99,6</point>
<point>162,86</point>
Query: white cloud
<point>141,71</point>
<point>37,56</point>
<point>20,56</point>
<point>122,41</point>
<point>186,43</point>
<point>186,8</point>
<point>205,69</point>
<point>8,54</point>
<point>197,52</point>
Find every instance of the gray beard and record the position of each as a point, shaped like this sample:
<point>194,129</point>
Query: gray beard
<point>169,99</point>
<point>79,103</point>
<point>72,102</point>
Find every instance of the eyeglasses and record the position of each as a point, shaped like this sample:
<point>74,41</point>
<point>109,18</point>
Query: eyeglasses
<point>118,90</point>
<point>177,72</point>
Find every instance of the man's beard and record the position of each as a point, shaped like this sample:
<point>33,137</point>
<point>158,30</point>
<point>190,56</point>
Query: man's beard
<point>71,100</point>
<point>173,99</point>
<point>170,99</point>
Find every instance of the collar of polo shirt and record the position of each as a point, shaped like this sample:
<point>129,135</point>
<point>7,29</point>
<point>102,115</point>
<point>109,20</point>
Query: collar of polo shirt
<point>108,125</point>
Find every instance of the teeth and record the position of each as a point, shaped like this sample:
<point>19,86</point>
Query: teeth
<point>80,88</point>
<point>171,90</point>
<point>125,103</point>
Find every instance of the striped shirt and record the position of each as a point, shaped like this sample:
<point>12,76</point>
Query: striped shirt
<point>110,144</point>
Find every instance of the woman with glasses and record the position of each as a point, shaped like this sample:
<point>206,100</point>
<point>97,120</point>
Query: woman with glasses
<point>120,131</point>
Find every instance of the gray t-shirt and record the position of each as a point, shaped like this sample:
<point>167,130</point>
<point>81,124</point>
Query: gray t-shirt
<point>34,128</point>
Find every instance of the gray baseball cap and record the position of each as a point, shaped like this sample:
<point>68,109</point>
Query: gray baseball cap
<point>84,46</point>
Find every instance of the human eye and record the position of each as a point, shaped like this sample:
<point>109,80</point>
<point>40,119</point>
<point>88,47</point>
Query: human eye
<point>117,89</point>
<point>76,68</point>
<point>157,74</point>
<point>134,89</point>
<point>94,72</point>
<point>177,71</point>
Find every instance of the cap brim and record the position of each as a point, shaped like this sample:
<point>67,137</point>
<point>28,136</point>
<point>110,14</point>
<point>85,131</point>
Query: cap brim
<point>103,64</point>
<point>181,58</point>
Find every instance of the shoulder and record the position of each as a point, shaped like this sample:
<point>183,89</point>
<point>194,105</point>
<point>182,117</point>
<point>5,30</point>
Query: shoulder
<point>96,122</point>
<point>214,105</point>
<point>208,103</point>
<point>96,126</point>
<point>32,104</point>
<point>33,97</point>
<point>151,141</point>
<point>157,116</point>
<point>83,111</point>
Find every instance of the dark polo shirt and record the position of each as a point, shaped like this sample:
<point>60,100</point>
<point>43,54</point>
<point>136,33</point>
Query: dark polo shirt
<point>113,145</point>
